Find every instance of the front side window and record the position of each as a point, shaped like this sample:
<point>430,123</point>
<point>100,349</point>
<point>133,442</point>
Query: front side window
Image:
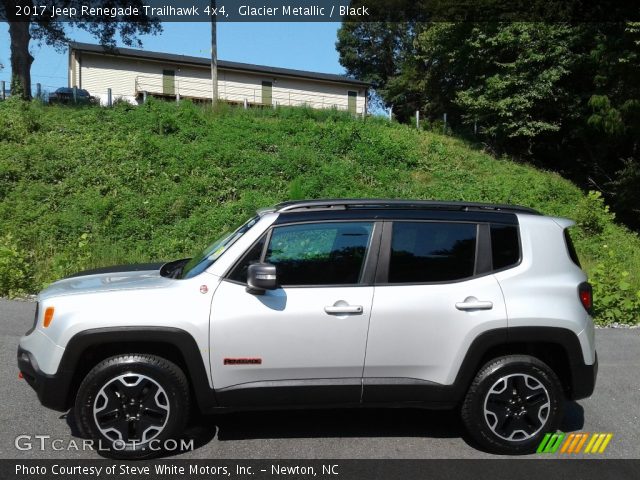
<point>432,252</point>
<point>319,253</point>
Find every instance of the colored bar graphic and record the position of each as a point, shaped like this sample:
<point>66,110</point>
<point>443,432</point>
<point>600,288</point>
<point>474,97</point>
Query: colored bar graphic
<point>584,439</point>
<point>606,442</point>
<point>573,442</point>
<point>568,441</point>
<point>551,442</point>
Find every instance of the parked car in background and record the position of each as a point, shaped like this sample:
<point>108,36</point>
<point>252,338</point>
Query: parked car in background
<point>65,95</point>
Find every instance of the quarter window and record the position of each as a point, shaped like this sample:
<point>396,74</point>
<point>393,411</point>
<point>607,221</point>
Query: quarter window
<point>432,252</point>
<point>319,253</point>
<point>239,272</point>
<point>505,246</point>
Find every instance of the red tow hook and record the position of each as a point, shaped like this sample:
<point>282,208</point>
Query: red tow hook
<point>20,375</point>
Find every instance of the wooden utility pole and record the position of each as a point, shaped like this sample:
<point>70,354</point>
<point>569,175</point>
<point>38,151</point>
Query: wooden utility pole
<point>214,56</point>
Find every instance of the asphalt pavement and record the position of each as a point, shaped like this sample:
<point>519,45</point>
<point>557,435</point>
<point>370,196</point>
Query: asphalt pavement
<point>359,433</point>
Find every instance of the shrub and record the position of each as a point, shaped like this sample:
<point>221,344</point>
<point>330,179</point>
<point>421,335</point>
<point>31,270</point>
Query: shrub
<point>615,300</point>
<point>14,277</point>
<point>83,187</point>
<point>592,215</point>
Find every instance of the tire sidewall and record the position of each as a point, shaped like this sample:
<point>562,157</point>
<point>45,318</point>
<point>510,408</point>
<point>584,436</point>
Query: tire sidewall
<point>478,426</point>
<point>116,366</point>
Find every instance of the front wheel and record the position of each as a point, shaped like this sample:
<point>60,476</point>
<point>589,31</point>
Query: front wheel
<point>512,402</point>
<point>132,404</point>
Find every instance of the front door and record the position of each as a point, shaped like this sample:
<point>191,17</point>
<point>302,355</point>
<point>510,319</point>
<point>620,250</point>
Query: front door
<point>305,341</point>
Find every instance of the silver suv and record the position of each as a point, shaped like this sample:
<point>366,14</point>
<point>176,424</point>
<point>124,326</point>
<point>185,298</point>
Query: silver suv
<point>328,303</point>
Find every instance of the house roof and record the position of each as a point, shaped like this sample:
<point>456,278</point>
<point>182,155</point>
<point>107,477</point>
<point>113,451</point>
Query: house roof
<point>223,64</point>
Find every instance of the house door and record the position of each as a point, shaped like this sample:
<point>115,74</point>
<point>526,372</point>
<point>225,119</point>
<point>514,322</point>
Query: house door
<point>267,88</point>
<point>168,82</point>
<point>352,103</point>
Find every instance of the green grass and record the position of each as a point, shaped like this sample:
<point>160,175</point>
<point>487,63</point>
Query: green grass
<point>86,187</point>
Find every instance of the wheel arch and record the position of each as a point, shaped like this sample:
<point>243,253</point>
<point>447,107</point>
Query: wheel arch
<point>557,347</point>
<point>86,349</point>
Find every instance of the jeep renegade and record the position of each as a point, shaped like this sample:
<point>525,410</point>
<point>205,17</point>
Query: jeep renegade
<point>327,303</point>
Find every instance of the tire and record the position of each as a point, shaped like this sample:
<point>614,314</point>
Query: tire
<point>512,402</point>
<point>131,404</point>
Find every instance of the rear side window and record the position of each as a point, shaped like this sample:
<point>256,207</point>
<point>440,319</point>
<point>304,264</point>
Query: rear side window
<point>570,248</point>
<point>505,246</point>
<point>432,252</point>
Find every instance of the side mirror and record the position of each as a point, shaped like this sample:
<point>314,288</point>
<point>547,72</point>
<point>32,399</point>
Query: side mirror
<point>261,277</point>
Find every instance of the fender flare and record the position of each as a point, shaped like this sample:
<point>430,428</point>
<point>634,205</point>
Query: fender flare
<point>178,338</point>
<point>582,381</point>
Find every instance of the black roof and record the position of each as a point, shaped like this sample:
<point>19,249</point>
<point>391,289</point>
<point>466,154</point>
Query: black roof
<point>387,204</point>
<point>223,64</point>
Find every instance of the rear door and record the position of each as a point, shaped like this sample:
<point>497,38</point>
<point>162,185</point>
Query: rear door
<point>303,343</point>
<point>434,294</point>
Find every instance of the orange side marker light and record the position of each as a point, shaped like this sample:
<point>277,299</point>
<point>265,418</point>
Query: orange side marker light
<point>48,317</point>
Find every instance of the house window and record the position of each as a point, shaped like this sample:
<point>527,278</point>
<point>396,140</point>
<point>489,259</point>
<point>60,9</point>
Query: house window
<point>267,93</point>
<point>352,101</point>
<point>168,82</point>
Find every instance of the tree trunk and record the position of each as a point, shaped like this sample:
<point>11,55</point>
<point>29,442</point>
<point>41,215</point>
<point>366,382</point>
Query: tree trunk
<point>21,59</point>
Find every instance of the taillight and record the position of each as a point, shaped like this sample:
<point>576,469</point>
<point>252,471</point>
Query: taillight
<point>585,292</point>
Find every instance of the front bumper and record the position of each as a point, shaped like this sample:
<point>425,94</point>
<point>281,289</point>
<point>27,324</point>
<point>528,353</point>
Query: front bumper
<point>52,390</point>
<point>583,379</point>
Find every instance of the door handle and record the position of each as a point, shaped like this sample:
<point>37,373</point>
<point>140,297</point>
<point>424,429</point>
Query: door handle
<point>343,309</point>
<point>472,303</point>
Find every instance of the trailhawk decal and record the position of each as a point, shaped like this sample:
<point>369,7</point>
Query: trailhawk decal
<point>243,361</point>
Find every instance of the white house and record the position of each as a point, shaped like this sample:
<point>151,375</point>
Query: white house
<point>131,74</point>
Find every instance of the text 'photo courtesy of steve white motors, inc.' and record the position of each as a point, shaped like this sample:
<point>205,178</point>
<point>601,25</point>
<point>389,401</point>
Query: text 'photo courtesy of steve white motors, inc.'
<point>187,469</point>
<point>319,239</point>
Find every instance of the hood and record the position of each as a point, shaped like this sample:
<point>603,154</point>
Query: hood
<point>103,282</point>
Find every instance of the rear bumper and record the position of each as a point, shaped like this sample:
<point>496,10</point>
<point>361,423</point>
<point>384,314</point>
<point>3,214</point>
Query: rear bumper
<point>583,379</point>
<point>52,390</point>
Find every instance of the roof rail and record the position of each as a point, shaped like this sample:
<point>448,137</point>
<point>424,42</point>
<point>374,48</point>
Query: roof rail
<point>374,203</point>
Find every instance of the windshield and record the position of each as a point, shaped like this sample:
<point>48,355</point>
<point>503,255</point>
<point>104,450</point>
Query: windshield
<point>209,255</point>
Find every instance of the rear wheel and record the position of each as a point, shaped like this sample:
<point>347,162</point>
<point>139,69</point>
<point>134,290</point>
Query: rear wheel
<point>512,402</point>
<point>132,404</point>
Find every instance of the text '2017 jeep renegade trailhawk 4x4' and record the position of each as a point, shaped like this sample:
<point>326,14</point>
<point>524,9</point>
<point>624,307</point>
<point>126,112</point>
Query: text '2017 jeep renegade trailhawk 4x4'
<point>328,303</point>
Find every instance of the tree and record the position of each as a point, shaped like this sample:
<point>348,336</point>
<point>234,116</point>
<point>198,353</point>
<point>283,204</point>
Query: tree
<point>510,77</point>
<point>564,96</point>
<point>612,113</point>
<point>376,52</point>
<point>53,31</point>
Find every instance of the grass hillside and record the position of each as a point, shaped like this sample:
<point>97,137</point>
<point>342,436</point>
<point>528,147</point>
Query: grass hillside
<point>85,187</point>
